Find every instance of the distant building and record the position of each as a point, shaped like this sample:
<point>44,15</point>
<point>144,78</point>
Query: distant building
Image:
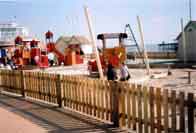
<point>168,47</point>
<point>190,35</point>
<point>9,31</point>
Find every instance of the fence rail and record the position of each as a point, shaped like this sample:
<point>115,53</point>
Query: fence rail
<point>140,108</point>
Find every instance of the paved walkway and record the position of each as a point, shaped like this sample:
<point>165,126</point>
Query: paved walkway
<point>25,116</point>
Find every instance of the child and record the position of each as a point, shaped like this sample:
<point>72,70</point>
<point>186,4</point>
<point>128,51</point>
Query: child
<point>124,72</point>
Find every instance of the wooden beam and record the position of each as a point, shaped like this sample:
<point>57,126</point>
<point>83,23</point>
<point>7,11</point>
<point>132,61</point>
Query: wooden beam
<point>142,43</point>
<point>93,39</point>
<point>183,42</point>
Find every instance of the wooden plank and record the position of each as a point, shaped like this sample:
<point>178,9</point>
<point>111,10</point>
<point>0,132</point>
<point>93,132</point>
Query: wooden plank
<point>122,104</point>
<point>65,87</point>
<point>67,90</point>
<point>59,91</point>
<point>47,88</point>
<point>70,92</point>
<point>28,83</point>
<point>115,103</point>
<point>37,85</point>
<point>134,107</point>
<point>90,96</point>
<point>40,87</point>
<point>95,98</point>
<point>98,100</point>
<point>80,95</point>
<point>165,108</point>
<point>43,87</point>
<point>83,96</point>
<point>87,98</point>
<point>33,84</point>
<point>49,80</point>
<point>158,109</point>
<point>102,98</point>
<point>128,92</point>
<point>139,99</point>
<point>190,113</point>
<point>107,101</point>
<point>73,92</point>
<point>145,101</point>
<point>173,111</point>
<point>152,120</point>
<point>182,112</point>
<point>77,94</point>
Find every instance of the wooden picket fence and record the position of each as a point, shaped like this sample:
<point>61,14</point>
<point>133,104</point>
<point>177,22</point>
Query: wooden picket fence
<point>140,108</point>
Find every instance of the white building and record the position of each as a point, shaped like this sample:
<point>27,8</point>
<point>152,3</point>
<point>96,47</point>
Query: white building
<point>9,31</point>
<point>190,37</point>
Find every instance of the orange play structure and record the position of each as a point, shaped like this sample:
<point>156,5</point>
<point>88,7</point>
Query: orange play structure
<point>114,55</point>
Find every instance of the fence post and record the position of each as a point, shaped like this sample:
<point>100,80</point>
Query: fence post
<point>190,113</point>
<point>59,90</point>
<point>115,103</point>
<point>22,84</point>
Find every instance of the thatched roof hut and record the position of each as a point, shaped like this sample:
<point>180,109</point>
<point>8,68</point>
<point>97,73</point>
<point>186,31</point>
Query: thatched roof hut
<point>64,41</point>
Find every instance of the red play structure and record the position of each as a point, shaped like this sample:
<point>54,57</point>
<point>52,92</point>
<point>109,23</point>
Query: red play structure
<point>27,52</point>
<point>51,47</point>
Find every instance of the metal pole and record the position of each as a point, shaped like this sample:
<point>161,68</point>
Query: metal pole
<point>190,9</point>
<point>183,42</point>
<point>92,35</point>
<point>142,43</point>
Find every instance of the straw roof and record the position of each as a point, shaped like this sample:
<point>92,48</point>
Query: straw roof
<point>73,40</point>
<point>64,41</point>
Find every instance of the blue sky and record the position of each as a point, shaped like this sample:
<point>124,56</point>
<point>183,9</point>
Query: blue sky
<point>160,18</point>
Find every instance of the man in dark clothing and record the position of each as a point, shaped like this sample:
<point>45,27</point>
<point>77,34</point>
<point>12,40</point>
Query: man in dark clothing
<point>111,73</point>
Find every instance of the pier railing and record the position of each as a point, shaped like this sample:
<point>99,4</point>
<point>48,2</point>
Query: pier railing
<point>140,108</point>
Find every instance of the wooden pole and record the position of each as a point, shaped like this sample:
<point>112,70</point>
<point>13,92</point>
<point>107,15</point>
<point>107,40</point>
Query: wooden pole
<point>22,84</point>
<point>183,42</point>
<point>59,90</point>
<point>92,35</point>
<point>190,10</point>
<point>142,44</point>
<point>190,113</point>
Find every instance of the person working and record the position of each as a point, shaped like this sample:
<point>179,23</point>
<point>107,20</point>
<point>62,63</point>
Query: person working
<point>124,72</point>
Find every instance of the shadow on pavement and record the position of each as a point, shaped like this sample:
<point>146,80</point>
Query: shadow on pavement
<point>52,118</point>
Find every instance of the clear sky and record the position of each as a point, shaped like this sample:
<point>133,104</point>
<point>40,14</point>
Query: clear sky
<point>160,18</point>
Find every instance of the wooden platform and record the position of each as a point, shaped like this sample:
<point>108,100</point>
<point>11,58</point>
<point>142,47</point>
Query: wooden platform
<point>53,119</point>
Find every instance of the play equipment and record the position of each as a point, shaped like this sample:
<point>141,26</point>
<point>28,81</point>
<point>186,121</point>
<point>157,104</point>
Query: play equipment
<point>72,52</point>
<point>51,47</point>
<point>114,55</point>
<point>27,52</point>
